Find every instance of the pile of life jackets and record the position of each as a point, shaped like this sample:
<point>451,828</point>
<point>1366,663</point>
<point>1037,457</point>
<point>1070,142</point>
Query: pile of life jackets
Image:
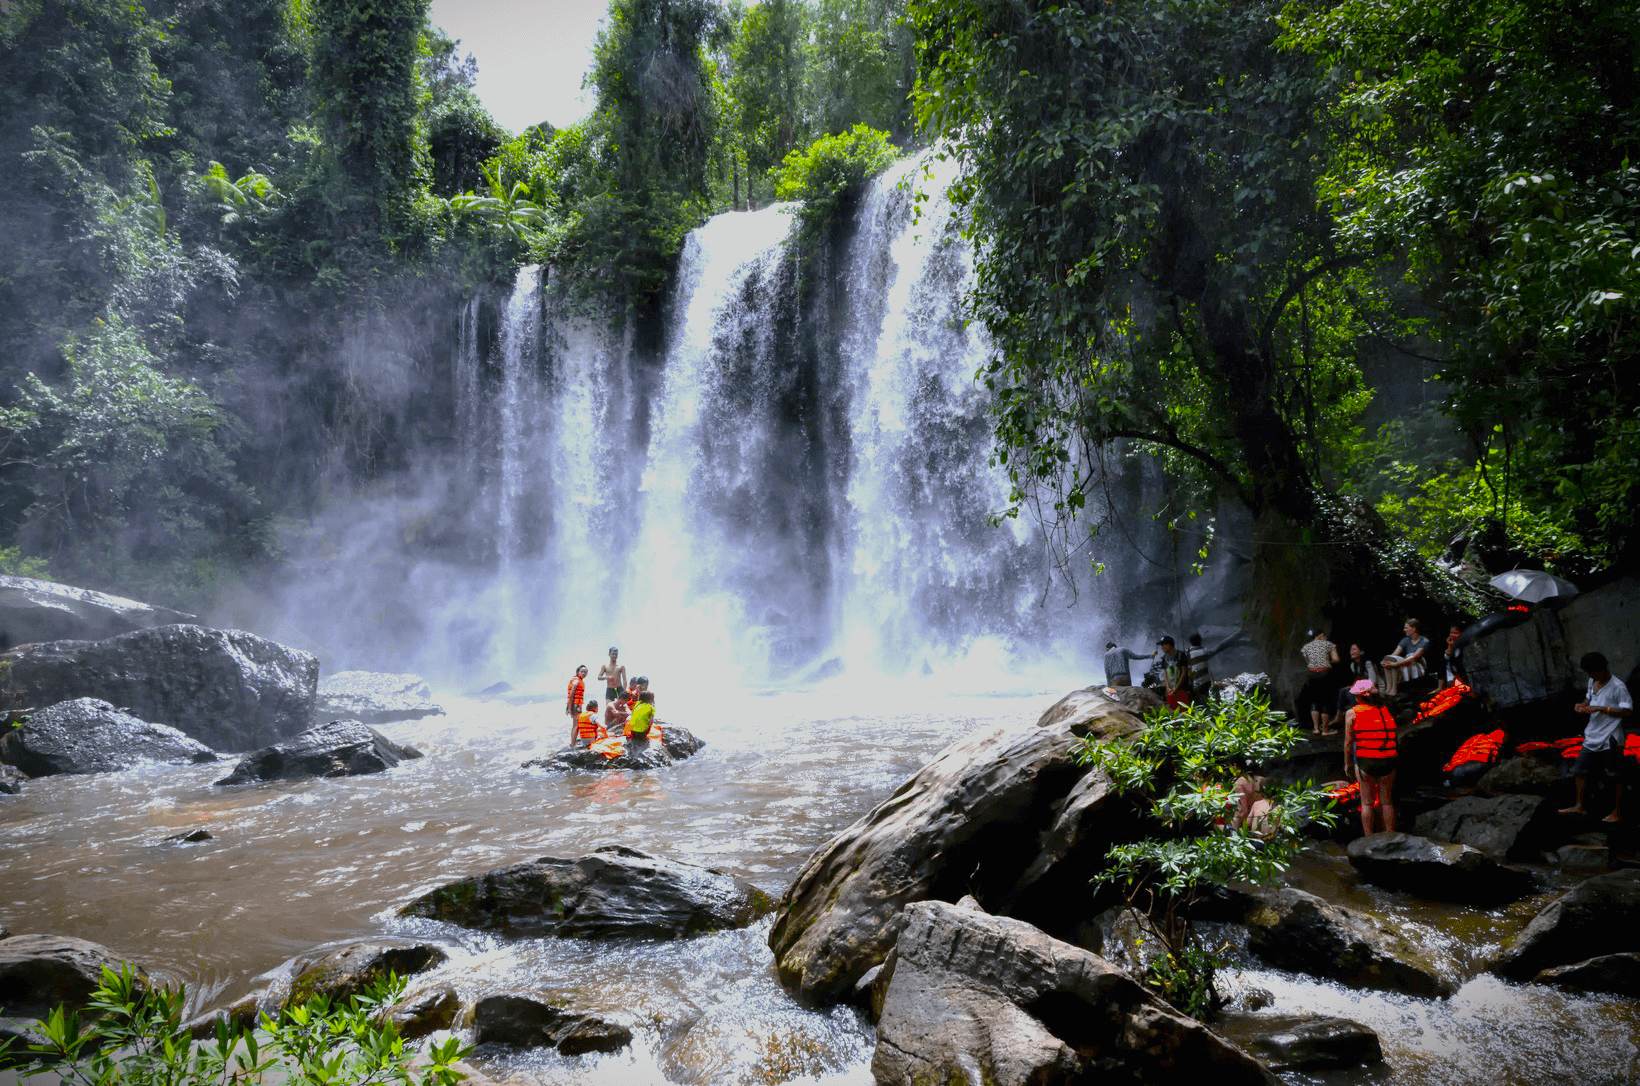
<point>1442,702</point>
<point>1572,747</point>
<point>1480,749</point>
<point>615,745</point>
<point>1558,745</point>
<point>1346,795</point>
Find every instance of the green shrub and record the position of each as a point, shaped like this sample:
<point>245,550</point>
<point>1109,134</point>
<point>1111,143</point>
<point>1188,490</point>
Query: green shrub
<point>832,170</point>
<point>136,1037</point>
<point>1183,770</point>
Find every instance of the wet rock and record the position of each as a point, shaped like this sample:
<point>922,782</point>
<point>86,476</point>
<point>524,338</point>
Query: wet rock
<point>90,736</point>
<point>1588,852</point>
<point>374,697</point>
<point>243,1013</point>
<point>342,748</point>
<point>229,689</point>
<point>1505,826</point>
<point>521,1022</point>
<point>1522,776</point>
<point>1592,919</point>
<point>11,780</point>
<point>424,1011</point>
<point>1291,929</point>
<point>1439,870</point>
<point>189,837</point>
<point>1075,842</point>
<point>1617,974</point>
<point>611,892</point>
<point>1313,758</point>
<point>674,745</point>
<point>32,611</point>
<point>21,1033</point>
<point>1086,707</point>
<point>1237,686</point>
<point>38,972</point>
<point>972,815</point>
<point>1304,1042</point>
<point>975,998</point>
<point>345,972</point>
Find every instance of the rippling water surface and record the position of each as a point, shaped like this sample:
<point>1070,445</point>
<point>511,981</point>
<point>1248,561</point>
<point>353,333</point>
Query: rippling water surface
<point>295,865</point>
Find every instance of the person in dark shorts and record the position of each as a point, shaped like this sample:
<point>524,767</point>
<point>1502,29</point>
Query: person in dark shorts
<point>1117,670</point>
<point>1369,756</point>
<point>1608,705</point>
<point>614,675</point>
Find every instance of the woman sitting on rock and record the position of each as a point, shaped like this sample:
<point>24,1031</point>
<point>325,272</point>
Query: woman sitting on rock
<point>1369,755</point>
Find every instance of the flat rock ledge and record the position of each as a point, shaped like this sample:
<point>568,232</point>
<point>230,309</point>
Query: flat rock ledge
<point>972,998</point>
<point>342,748</point>
<point>674,746</point>
<point>374,697</point>
<point>612,892</point>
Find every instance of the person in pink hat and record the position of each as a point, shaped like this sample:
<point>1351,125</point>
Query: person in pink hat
<point>1369,755</point>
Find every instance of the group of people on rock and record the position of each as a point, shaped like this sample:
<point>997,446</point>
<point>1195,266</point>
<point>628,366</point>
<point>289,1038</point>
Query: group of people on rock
<point>1180,676</point>
<point>629,706</point>
<point>1415,667</point>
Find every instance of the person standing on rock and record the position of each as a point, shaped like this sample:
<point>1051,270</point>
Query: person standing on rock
<point>574,695</point>
<point>1316,698</point>
<point>614,676</point>
<point>1607,704</point>
<point>1118,672</point>
<point>1173,667</point>
<point>1201,676</point>
<point>1369,755</point>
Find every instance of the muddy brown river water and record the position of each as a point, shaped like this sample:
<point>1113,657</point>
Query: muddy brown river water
<point>294,866</point>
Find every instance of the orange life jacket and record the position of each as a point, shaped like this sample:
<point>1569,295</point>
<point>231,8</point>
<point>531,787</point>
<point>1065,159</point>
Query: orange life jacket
<point>1534,747</point>
<point>1441,702</point>
<point>577,693</point>
<point>587,727</point>
<point>1631,747</point>
<point>1346,794</point>
<point>1374,732</point>
<point>1483,749</point>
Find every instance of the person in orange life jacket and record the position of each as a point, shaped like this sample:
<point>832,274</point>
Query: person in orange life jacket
<point>643,718</point>
<point>1608,705</point>
<point>574,695</point>
<point>1369,754</point>
<point>588,730</point>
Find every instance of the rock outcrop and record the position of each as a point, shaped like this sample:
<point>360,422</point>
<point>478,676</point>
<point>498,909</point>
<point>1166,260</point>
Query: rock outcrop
<point>90,736</point>
<point>1305,1042</point>
<point>1613,974</point>
<point>230,690</point>
<point>969,821</point>
<point>345,972</point>
<point>38,972</point>
<point>1523,776</point>
<point>32,610</point>
<point>979,999</point>
<point>1439,870</point>
<point>1511,826</point>
<point>374,697</point>
<point>674,745</point>
<point>342,748</point>
<point>610,892</point>
<point>421,1011</point>
<point>1593,919</point>
<point>522,1022</point>
<point>1292,929</point>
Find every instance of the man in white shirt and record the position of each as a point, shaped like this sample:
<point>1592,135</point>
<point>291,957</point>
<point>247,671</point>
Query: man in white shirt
<point>1607,705</point>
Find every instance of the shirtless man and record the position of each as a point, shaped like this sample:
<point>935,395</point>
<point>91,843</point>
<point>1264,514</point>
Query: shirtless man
<point>614,676</point>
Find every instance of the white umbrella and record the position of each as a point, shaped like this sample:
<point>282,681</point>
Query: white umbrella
<point>1533,585</point>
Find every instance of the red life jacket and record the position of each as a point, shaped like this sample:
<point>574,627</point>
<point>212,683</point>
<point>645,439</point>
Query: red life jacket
<point>1631,747</point>
<point>577,693</point>
<point>1483,749</point>
<point>587,727</point>
<point>1441,702</point>
<point>1346,794</point>
<point>1374,732</point>
<point>1534,747</point>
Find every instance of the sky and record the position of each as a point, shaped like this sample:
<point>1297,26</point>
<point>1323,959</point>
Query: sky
<point>531,54</point>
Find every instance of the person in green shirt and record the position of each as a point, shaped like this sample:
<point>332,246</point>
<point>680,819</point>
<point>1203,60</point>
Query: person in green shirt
<point>643,715</point>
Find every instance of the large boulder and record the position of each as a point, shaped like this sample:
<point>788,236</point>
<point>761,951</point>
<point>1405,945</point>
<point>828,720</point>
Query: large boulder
<point>1440,870</point>
<point>1594,918</point>
<point>90,736</point>
<point>969,821</point>
<point>971,998</point>
<point>1521,663</point>
<point>1523,776</point>
<point>1605,620</point>
<point>1511,826</point>
<point>32,610</point>
<point>611,891</point>
<point>1091,703</point>
<point>424,1010</point>
<point>522,1022</point>
<point>345,972</point>
<point>38,972</point>
<point>229,689</point>
<point>1292,929</point>
<point>674,745</point>
<point>342,748</point>
<point>374,697</point>
<point>1614,974</point>
<point>1304,1042</point>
